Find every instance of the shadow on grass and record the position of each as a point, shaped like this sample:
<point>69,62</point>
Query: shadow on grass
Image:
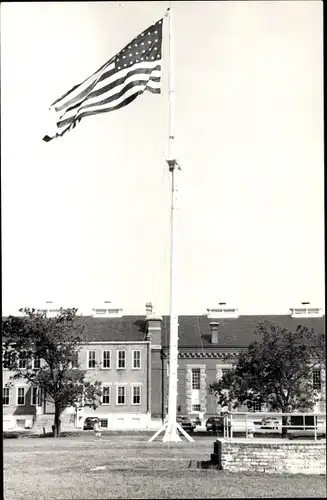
<point>25,435</point>
<point>203,464</point>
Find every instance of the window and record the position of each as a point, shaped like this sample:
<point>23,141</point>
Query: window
<point>22,362</point>
<point>75,362</point>
<point>306,311</point>
<point>106,390</point>
<point>136,394</point>
<point>5,396</point>
<point>196,378</point>
<point>91,359</point>
<point>5,359</point>
<point>100,312</point>
<point>136,359</point>
<point>256,406</point>
<point>20,396</point>
<point>107,312</point>
<point>104,423</point>
<point>36,363</point>
<point>121,359</point>
<point>121,395</point>
<point>106,359</point>
<point>316,379</point>
<point>35,396</point>
<point>196,407</point>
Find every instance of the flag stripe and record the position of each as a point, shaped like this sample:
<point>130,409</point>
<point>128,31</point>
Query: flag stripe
<point>79,89</point>
<point>109,76</point>
<point>118,82</point>
<point>128,100</point>
<point>118,76</point>
<point>114,91</point>
<point>110,105</point>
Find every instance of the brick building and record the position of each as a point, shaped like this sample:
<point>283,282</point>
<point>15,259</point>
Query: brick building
<point>129,355</point>
<point>208,344</point>
<point>117,352</point>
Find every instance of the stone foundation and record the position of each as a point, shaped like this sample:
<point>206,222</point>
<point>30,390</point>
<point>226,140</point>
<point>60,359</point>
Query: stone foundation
<point>270,456</point>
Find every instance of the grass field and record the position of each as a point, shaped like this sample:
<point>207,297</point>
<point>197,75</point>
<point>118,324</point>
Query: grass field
<point>129,467</point>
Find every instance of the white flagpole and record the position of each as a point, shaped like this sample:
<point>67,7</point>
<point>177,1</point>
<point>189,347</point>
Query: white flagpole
<point>171,427</point>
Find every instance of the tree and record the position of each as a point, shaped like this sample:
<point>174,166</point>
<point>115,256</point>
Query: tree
<point>55,342</point>
<point>275,370</point>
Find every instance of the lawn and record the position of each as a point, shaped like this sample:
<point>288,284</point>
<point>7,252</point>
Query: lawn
<point>129,467</point>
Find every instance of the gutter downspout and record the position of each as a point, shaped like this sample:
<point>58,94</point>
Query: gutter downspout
<point>148,401</point>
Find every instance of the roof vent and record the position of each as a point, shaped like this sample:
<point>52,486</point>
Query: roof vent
<point>223,310</point>
<point>107,310</point>
<point>305,310</point>
<point>50,309</point>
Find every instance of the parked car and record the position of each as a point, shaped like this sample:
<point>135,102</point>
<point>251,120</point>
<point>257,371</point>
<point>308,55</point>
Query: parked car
<point>214,424</point>
<point>89,423</point>
<point>196,421</point>
<point>186,423</point>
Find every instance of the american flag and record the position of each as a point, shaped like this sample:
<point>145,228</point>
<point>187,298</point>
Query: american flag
<point>118,82</point>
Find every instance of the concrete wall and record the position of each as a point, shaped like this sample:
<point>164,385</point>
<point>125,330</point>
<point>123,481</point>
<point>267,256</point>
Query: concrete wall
<point>279,456</point>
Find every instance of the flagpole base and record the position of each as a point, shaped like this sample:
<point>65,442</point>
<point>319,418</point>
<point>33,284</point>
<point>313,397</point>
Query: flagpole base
<point>171,434</point>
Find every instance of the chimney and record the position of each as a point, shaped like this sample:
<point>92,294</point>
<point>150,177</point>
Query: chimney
<point>152,327</point>
<point>214,331</point>
<point>148,309</point>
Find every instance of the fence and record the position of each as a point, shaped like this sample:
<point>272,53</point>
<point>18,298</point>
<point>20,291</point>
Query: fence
<point>232,424</point>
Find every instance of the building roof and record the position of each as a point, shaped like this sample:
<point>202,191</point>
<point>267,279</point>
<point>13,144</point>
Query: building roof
<point>194,331</point>
<point>124,329</point>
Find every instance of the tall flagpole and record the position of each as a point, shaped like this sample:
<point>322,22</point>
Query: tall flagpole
<point>171,426</point>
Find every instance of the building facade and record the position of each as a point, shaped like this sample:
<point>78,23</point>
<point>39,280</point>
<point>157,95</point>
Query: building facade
<point>130,356</point>
<point>209,344</point>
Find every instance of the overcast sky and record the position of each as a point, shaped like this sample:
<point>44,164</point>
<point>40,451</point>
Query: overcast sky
<point>85,218</point>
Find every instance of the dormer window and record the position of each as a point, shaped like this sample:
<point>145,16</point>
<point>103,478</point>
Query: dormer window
<point>100,312</point>
<point>223,310</point>
<point>306,311</point>
<point>50,309</point>
<point>107,310</point>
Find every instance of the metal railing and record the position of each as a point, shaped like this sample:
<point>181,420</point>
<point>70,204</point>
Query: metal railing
<point>248,426</point>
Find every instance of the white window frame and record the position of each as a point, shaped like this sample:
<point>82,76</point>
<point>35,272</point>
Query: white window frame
<point>101,420</point>
<point>133,359</point>
<point>198,371</point>
<point>74,365</point>
<point>121,367</point>
<point>316,370</point>
<point>88,360</point>
<point>132,392</point>
<point>107,386</point>
<point>102,365</point>
<point>22,359</point>
<point>117,394</point>
<point>37,396</point>
<point>17,395</point>
<point>33,364</point>
<point>4,361</point>
<point>3,396</point>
